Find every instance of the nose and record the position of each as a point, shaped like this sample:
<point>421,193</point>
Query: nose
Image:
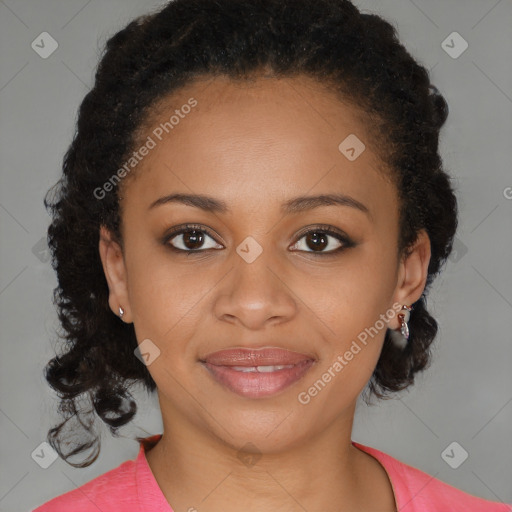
<point>256,294</point>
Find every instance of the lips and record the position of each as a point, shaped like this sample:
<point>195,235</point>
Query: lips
<point>255,357</point>
<point>257,373</point>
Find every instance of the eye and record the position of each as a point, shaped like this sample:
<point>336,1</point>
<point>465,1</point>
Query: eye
<point>190,238</point>
<point>322,240</point>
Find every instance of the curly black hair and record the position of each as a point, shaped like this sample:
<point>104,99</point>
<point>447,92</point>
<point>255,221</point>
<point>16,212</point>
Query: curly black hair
<point>356,54</point>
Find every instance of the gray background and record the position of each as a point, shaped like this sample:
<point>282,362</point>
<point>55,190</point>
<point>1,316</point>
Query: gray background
<point>466,395</point>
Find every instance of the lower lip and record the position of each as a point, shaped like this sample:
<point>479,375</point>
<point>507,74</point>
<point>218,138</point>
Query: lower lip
<point>258,385</point>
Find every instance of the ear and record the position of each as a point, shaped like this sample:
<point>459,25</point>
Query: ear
<point>413,272</point>
<point>114,268</point>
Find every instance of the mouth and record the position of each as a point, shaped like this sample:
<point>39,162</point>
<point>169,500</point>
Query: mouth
<point>257,373</point>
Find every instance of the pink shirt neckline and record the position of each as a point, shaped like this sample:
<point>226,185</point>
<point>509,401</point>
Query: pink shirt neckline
<point>133,487</point>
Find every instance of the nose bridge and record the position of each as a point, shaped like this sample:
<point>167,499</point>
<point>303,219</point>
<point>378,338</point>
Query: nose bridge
<point>255,291</point>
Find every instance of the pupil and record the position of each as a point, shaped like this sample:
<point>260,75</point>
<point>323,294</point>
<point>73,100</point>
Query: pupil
<point>195,239</point>
<point>319,240</point>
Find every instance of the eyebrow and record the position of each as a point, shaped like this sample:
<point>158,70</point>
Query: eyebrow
<point>295,205</point>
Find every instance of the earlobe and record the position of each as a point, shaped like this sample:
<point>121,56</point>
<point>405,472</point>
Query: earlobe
<point>112,260</point>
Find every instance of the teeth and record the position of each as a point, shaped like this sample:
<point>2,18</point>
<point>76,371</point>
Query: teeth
<point>265,369</point>
<point>261,369</point>
<point>244,368</point>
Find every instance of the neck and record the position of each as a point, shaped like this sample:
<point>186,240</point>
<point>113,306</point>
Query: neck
<point>324,472</point>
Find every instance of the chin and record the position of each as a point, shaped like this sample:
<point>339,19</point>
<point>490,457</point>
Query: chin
<point>261,431</point>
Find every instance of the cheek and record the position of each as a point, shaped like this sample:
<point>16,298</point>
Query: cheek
<point>351,309</point>
<point>164,296</point>
<point>348,297</point>
<point>351,344</point>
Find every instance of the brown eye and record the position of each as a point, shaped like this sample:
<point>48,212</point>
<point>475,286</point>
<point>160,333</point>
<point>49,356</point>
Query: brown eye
<point>191,240</point>
<point>317,240</point>
<point>322,241</point>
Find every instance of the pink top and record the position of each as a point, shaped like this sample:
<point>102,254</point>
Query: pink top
<point>131,487</point>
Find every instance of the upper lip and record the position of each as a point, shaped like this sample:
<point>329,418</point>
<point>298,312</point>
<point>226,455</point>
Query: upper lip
<point>268,356</point>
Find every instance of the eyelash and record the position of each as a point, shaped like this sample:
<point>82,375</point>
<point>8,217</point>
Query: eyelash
<point>324,229</point>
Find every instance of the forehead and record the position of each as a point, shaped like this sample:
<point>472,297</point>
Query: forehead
<point>265,137</point>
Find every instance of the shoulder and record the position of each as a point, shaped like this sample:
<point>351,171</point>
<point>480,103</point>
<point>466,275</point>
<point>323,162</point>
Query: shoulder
<point>417,491</point>
<point>115,490</point>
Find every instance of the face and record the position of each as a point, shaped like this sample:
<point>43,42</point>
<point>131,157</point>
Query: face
<point>309,281</point>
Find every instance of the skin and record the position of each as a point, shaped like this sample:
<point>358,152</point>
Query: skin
<point>254,146</point>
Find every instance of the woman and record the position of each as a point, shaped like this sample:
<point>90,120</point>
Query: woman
<point>251,214</point>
